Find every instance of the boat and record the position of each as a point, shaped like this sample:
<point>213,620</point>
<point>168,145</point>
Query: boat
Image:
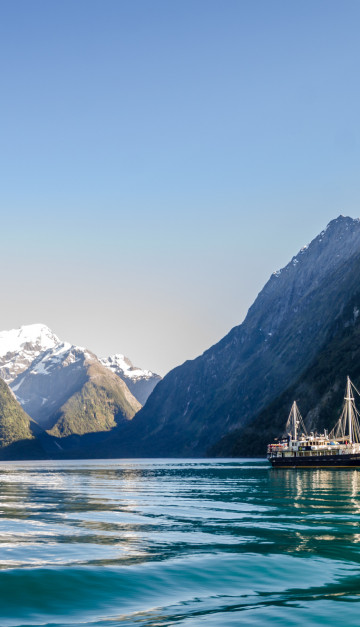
<point>339,448</point>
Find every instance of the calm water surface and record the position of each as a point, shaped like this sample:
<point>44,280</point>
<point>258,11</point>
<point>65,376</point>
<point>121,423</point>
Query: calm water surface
<point>178,542</point>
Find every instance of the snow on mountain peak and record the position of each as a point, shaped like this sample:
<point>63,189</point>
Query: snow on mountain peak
<point>140,382</point>
<point>61,355</point>
<point>19,348</point>
<point>15,340</point>
<point>121,363</point>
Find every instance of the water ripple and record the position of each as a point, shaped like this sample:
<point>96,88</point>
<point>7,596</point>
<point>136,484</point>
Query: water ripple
<point>172,542</point>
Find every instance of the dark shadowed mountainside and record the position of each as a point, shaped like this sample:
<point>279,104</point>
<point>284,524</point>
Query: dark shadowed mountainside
<point>319,391</point>
<point>228,386</point>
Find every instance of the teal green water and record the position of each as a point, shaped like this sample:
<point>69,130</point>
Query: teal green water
<point>178,542</point>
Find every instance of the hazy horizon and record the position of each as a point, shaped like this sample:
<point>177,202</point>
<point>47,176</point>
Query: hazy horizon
<point>160,160</point>
<point>111,342</point>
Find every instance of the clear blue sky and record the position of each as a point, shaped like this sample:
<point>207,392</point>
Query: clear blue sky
<point>159,159</point>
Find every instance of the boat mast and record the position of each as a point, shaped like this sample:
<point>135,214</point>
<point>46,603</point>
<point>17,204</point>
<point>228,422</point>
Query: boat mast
<point>294,423</point>
<point>295,420</point>
<point>349,400</point>
<point>294,412</point>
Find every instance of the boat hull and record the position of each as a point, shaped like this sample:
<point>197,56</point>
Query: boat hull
<point>321,461</point>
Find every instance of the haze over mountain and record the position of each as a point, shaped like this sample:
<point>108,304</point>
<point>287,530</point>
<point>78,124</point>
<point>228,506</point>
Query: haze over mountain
<point>289,323</point>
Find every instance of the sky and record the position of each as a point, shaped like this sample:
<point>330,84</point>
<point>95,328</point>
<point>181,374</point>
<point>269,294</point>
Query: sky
<point>160,159</point>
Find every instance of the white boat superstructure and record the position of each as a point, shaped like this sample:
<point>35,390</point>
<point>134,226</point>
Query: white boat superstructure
<point>339,447</point>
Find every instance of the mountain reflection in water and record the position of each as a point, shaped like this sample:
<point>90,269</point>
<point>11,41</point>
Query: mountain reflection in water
<point>178,542</point>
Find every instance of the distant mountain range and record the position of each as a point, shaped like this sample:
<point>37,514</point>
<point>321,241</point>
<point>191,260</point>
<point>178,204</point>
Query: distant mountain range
<point>299,340</point>
<point>66,390</point>
<point>34,349</point>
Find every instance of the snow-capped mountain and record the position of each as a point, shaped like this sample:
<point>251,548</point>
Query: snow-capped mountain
<point>19,348</point>
<point>50,380</point>
<point>140,382</point>
<point>45,372</point>
<point>68,390</point>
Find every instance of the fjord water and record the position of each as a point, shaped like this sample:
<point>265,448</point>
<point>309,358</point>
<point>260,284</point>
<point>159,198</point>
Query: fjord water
<point>178,542</point>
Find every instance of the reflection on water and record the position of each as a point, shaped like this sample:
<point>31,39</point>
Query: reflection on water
<point>178,543</point>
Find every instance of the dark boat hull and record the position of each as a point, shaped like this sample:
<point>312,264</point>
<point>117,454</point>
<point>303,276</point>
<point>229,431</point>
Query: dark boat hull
<point>323,461</point>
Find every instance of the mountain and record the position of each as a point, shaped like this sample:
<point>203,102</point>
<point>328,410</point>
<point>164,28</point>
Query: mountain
<point>30,345</point>
<point>68,391</point>
<point>16,435</point>
<point>19,348</point>
<point>102,403</point>
<point>14,422</point>
<point>319,390</point>
<point>289,324</point>
<point>140,382</point>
